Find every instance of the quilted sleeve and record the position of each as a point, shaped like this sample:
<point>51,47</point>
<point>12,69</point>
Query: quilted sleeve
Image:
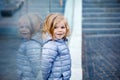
<point>49,53</point>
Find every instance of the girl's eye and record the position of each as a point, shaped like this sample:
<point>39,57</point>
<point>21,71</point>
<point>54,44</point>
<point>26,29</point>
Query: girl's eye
<point>62,27</point>
<point>55,27</point>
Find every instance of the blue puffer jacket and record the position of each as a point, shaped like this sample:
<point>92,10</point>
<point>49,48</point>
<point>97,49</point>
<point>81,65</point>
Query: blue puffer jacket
<point>29,59</point>
<point>56,60</point>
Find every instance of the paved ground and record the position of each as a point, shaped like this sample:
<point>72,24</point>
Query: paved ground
<point>101,57</point>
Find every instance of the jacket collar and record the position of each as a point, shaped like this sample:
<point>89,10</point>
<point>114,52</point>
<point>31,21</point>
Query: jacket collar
<point>49,38</point>
<point>37,37</point>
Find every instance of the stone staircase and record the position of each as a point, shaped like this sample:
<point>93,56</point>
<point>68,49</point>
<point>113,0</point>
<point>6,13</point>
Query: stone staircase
<point>101,37</point>
<point>101,17</point>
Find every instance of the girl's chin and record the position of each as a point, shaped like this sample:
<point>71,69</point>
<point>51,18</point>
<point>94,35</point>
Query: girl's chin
<point>59,38</point>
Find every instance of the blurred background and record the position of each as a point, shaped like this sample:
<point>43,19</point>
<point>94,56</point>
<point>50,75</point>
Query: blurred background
<point>94,23</point>
<point>10,12</point>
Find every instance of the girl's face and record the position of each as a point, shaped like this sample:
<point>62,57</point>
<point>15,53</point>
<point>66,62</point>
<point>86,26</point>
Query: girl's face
<point>59,30</point>
<point>24,31</point>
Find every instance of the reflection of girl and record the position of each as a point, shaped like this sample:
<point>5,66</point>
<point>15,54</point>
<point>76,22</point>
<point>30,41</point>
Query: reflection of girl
<point>29,53</point>
<point>56,60</point>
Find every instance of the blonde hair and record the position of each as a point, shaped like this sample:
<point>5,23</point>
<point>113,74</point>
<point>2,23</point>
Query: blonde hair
<point>50,23</point>
<point>33,21</point>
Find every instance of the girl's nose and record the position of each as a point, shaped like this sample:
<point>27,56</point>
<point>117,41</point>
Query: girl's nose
<point>59,29</point>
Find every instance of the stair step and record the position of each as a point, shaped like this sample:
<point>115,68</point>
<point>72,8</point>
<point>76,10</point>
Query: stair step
<point>103,35</point>
<point>100,25</point>
<point>101,14</point>
<point>100,1</point>
<point>101,20</point>
<point>103,5</point>
<point>97,10</point>
<point>101,30</point>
